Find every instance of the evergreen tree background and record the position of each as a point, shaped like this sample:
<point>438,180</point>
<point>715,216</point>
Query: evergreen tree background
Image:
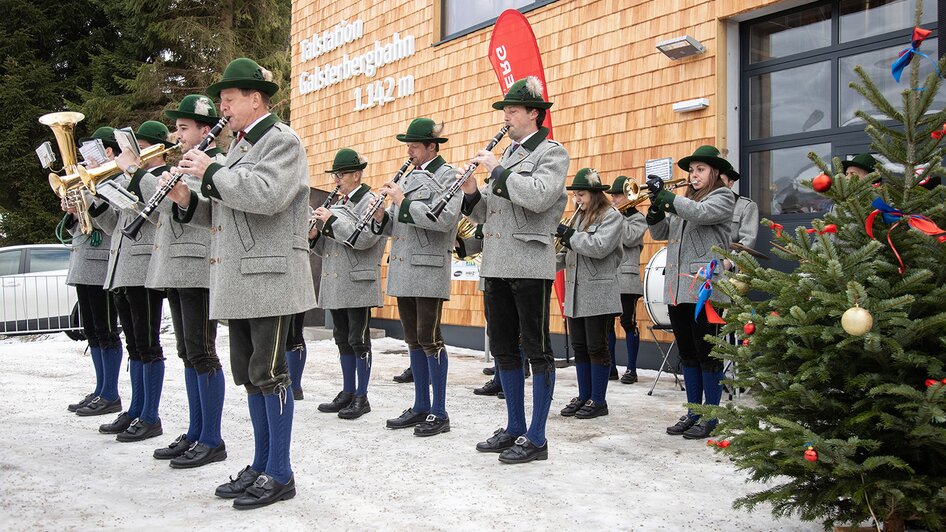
<point>119,62</point>
<point>862,403</point>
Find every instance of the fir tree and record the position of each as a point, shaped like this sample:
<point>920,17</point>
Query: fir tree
<point>867,406</point>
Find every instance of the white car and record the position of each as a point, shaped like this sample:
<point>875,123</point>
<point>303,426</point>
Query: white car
<point>35,297</point>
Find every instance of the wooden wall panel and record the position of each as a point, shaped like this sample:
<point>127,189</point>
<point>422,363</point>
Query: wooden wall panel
<point>612,90</point>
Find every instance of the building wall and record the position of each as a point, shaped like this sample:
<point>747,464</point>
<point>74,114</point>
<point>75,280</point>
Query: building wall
<point>612,92</point>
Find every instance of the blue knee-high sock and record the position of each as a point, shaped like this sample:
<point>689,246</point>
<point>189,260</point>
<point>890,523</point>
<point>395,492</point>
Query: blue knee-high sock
<point>279,409</point>
<point>437,366</point>
<point>514,383</point>
<point>193,405</point>
<point>96,353</point>
<point>348,372</point>
<point>712,388</point>
<point>599,382</point>
<point>111,369</point>
<point>136,373</point>
<point>212,387</point>
<point>295,359</point>
<point>260,431</point>
<point>693,380</point>
<point>583,373</point>
<point>612,346</point>
<point>543,384</point>
<point>421,381</point>
<point>363,370</point>
<point>633,342</point>
<point>154,382</point>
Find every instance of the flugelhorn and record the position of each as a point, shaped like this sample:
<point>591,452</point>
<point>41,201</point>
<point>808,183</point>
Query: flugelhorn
<point>131,230</point>
<point>636,195</point>
<point>570,222</point>
<point>438,208</point>
<point>379,203</point>
<point>69,185</point>
<point>332,197</point>
<point>91,177</point>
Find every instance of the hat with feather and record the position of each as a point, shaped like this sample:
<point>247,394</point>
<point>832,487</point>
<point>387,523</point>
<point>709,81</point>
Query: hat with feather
<point>526,92</point>
<point>423,130</point>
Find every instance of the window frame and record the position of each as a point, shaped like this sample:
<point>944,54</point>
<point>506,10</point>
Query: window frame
<point>457,34</point>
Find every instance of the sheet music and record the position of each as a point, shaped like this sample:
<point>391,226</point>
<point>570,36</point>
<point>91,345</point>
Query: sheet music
<point>46,154</point>
<point>93,152</point>
<point>662,168</point>
<point>126,140</point>
<point>117,195</point>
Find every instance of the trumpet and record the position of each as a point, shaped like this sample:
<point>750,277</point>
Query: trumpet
<point>435,211</point>
<point>570,222</point>
<point>379,202</point>
<point>328,201</point>
<point>636,195</point>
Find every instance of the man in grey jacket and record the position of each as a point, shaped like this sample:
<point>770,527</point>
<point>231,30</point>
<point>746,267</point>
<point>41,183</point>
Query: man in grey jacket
<point>419,271</point>
<point>256,206</point>
<point>520,208</point>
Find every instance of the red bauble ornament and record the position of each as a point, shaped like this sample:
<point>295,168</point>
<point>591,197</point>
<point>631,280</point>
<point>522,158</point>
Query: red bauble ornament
<point>748,328</point>
<point>821,183</point>
<point>930,382</point>
<point>811,455</point>
<point>723,444</point>
<point>745,342</point>
<point>710,443</point>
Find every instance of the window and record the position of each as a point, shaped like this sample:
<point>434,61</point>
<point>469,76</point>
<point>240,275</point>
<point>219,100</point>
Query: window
<point>460,17</point>
<point>796,67</point>
<point>47,260</point>
<point>10,262</point>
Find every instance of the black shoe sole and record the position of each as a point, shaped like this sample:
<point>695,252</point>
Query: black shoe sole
<point>190,465</point>
<point>493,450</point>
<point>596,414</point>
<point>434,433</point>
<point>146,436</point>
<point>388,424</point>
<point>350,416</point>
<point>89,413</point>
<point>284,497</point>
<point>544,455</point>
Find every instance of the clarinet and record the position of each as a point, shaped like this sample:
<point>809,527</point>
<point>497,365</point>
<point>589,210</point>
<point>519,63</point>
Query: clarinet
<point>328,201</point>
<point>131,230</point>
<point>366,219</point>
<point>437,209</point>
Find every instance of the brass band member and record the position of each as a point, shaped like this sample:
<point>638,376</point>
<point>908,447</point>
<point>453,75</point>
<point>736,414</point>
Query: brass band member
<point>692,225</point>
<point>351,281</point>
<point>520,207</point>
<point>255,205</point>
<point>419,271</point>
<point>591,259</point>
<point>180,267</point>
<point>745,216</point>
<point>87,267</point>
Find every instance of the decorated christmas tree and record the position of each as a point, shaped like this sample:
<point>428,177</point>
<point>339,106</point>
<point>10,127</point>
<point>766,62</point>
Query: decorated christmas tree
<point>846,355</point>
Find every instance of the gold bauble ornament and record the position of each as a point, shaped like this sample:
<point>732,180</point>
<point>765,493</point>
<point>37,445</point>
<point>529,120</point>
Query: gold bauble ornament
<point>741,287</point>
<point>857,321</point>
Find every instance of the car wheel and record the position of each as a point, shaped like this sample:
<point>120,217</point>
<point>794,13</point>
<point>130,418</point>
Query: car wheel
<point>75,333</point>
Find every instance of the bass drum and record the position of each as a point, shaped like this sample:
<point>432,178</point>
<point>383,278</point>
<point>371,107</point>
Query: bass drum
<point>654,286</point>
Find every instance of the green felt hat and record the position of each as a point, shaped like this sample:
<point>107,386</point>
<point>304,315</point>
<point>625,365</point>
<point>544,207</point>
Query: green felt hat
<point>346,160</point>
<point>587,179</point>
<point>106,134</point>
<point>422,130</point>
<point>197,107</point>
<point>705,154</point>
<point>863,161</point>
<point>527,92</point>
<point>154,132</point>
<point>244,73</point>
<point>618,186</point>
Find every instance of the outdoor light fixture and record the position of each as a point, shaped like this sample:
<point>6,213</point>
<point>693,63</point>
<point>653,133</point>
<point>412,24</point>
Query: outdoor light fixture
<point>691,105</point>
<point>680,47</point>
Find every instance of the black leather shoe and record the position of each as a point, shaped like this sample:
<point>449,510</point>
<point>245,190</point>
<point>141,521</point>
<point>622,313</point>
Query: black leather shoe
<point>140,430</point>
<point>359,406</point>
<point>683,424</point>
<point>489,371</point>
<point>265,491</point>
<point>524,451</point>
<point>592,409</point>
<point>699,431</point>
<point>177,448</point>
<point>573,407</point>
<point>497,443</point>
<point>500,395</point>
<point>406,376</point>
<point>119,425</point>
<point>297,395</point>
<point>236,486</point>
<point>613,376</point>
<point>84,401</point>
<point>629,377</point>
<point>431,426</point>
<point>492,387</point>
<point>100,407</point>
<point>408,418</point>
<point>341,401</point>
<point>200,454</point>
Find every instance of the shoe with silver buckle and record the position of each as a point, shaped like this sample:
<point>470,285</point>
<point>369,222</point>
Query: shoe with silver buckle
<point>524,451</point>
<point>433,425</point>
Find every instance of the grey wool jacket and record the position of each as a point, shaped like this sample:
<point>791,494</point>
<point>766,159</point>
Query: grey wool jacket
<point>632,240</point>
<point>691,229</point>
<point>419,263</point>
<point>745,221</point>
<point>351,278</point>
<point>520,208</point>
<point>128,260</point>
<point>179,254</point>
<point>592,267</point>
<point>256,205</point>
<point>87,263</point>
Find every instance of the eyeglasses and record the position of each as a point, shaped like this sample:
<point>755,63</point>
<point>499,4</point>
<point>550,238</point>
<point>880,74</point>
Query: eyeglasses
<point>339,175</point>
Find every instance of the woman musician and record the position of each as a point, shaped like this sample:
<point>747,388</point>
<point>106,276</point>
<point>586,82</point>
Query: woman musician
<point>591,260</point>
<point>692,224</point>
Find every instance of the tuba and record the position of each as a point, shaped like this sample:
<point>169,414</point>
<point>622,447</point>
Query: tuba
<point>465,231</point>
<point>636,195</point>
<point>68,186</point>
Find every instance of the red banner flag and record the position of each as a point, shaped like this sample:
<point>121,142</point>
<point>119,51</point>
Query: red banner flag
<point>514,54</point>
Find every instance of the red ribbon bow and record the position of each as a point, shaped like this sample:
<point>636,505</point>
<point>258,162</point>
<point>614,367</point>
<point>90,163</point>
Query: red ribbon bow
<point>830,228</point>
<point>777,228</point>
<point>894,216</point>
<point>938,134</point>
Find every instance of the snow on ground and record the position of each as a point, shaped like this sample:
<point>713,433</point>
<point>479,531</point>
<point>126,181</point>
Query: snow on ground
<point>619,472</point>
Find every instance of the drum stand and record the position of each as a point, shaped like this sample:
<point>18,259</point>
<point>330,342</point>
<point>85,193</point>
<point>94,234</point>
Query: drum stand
<point>664,364</point>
